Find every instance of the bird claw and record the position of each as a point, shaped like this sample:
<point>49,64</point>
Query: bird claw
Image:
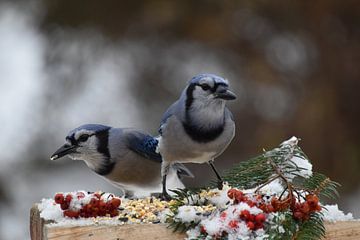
<point>165,196</point>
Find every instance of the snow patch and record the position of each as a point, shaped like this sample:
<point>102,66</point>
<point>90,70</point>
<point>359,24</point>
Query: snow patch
<point>188,214</point>
<point>49,210</point>
<point>332,213</point>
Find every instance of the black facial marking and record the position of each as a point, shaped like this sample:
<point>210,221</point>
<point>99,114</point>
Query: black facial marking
<point>72,139</point>
<point>202,135</point>
<point>105,169</point>
<point>107,166</point>
<point>189,95</point>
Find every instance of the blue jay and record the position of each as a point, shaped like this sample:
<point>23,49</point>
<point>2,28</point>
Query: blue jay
<point>198,127</point>
<point>126,157</point>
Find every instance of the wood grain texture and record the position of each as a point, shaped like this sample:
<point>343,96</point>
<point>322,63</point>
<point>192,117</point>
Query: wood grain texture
<point>124,232</point>
<point>43,230</point>
<point>347,230</point>
<point>36,224</point>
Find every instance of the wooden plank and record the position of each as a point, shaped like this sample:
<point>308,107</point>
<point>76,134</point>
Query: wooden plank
<point>43,230</point>
<point>123,232</point>
<point>36,224</point>
<point>347,230</point>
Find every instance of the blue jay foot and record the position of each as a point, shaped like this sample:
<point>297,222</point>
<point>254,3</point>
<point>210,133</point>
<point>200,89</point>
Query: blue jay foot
<point>165,196</point>
<point>220,184</point>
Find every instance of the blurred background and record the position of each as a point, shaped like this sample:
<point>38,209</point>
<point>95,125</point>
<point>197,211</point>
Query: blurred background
<point>295,66</point>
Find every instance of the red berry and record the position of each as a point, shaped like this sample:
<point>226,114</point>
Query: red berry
<point>71,214</point>
<point>97,195</point>
<point>102,206</point>
<point>304,208</point>
<point>239,196</point>
<point>270,208</point>
<point>95,209</point>
<point>259,225</point>
<point>114,213</point>
<point>275,203</point>
<point>82,213</point>
<point>64,206</point>
<point>252,218</point>
<point>250,225</point>
<point>245,215</point>
<point>59,198</point>
<point>318,208</point>
<point>68,198</point>
<point>233,224</point>
<point>94,201</point>
<point>109,206</point>
<point>298,215</point>
<point>223,215</point>
<point>202,230</point>
<point>259,197</point>
<point>102,212</point>
<point>313,201</point>
<point>88,208</point>
<point>115,202</point>
<point>250,203</point>
<point>260,218</point>
<point>231,193</point>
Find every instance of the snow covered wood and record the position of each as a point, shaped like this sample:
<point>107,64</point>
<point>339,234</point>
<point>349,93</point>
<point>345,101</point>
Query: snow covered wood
<point>43,230</point>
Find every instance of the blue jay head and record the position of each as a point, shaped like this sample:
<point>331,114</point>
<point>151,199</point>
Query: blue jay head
<point>209,87</point>
<point>84,142</point>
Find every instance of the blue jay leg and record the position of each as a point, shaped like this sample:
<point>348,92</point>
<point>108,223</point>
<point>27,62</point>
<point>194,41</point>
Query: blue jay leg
<point>219,179</point>
<point>164,171</point>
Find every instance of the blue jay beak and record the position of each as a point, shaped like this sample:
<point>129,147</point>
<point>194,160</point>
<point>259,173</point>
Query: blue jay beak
<point>63,150</point>
<point>224,93</point>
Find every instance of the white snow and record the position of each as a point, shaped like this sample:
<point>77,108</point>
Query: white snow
<point>291,141</point>
<point>305,167</point>
<point>332,213</point>
<point>215,224</point>
<point>220,198</point>
<point>163,215</point>
<point>49,210</point>
<point>188,214</point>
<point>274,187</point>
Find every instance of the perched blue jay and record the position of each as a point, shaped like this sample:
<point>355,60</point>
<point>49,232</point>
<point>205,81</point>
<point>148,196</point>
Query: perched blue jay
<point>198,127</point>
<point>125,157</point>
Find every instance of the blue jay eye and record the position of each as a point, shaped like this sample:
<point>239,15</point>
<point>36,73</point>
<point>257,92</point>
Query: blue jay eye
<point>83,138</point>
<point>205,87</point>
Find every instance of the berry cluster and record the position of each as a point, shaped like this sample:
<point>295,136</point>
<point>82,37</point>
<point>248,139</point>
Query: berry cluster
<point>253,222</point>
<point>242,213</point>
<point>300,210</point>
<point>256,200</point>
<point>91,205</point>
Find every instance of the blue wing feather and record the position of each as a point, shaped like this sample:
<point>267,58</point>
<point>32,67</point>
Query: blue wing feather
<point>144,145</point>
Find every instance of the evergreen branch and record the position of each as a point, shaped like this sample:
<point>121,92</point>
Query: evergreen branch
<point>312,229</point>
<point>260,171</point>
<point>322,185</point>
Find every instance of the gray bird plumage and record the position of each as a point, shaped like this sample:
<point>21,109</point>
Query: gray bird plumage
<point>126,157</point>
<point>198,127</point>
